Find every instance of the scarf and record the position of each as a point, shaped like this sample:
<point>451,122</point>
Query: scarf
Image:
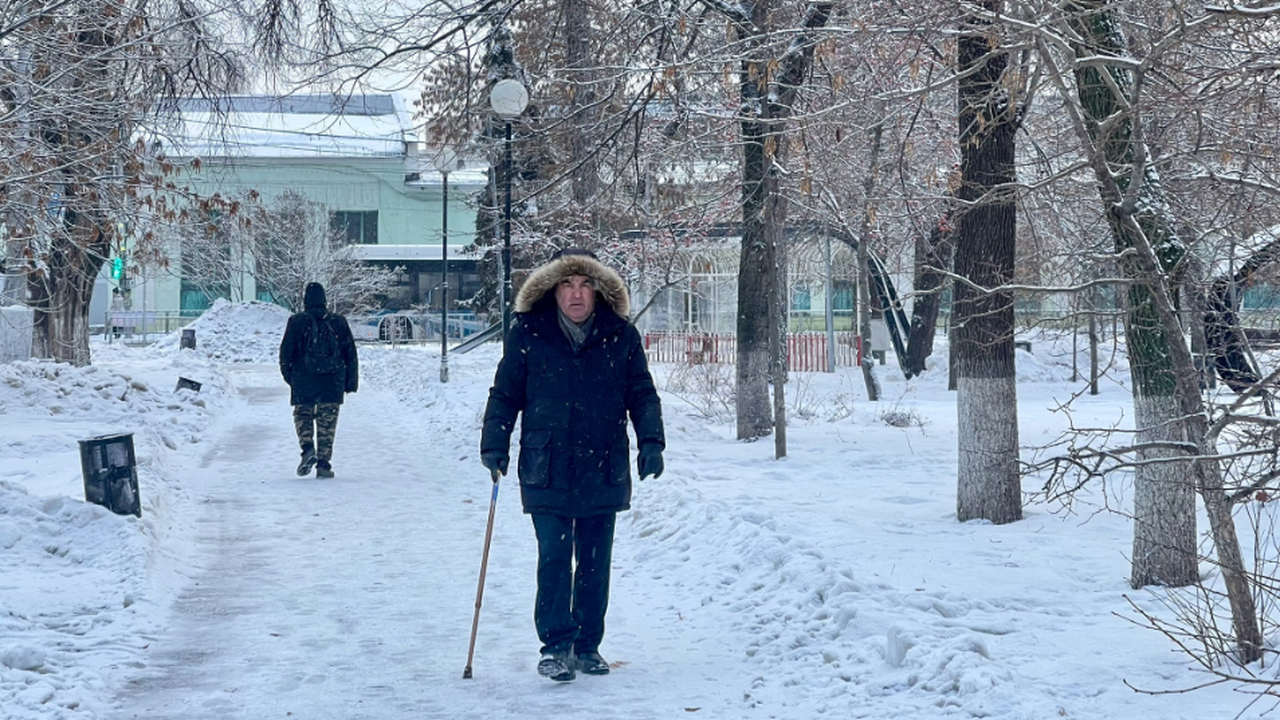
<point>576,333</point>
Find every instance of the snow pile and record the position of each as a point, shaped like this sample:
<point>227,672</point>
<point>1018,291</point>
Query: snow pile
<point>117,400</point>
<point>109,396</point>
<point>235,332</point>
<point>83,588</point>
<point>73,573</point>
<point>804,619</point>
<point>411,372</point>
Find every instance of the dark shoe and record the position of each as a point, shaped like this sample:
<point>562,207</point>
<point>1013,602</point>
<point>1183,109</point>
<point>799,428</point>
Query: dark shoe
<point>592,664</point>
<point>556,665</point>
<point>324,471</point>
<point>308,462</point>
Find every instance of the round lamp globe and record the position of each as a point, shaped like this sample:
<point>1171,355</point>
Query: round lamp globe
<point>508,98</point>
<point>444,160</point>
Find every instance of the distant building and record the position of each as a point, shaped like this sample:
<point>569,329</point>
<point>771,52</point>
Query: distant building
<point>359,156</point>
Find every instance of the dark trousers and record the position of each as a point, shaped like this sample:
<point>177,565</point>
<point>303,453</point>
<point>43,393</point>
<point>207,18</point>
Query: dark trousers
<point>571,603</point>
<point>317,425</point>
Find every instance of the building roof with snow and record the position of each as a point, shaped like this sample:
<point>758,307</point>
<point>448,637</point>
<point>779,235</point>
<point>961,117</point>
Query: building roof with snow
<point>315,126</point>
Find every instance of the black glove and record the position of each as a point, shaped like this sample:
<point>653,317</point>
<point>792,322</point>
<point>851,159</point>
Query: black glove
<point>495,460</point>
<point>650,461</point>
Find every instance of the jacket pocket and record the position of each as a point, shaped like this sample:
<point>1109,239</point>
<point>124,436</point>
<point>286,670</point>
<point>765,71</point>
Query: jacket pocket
<point>535,458</point>
<point>620,462</point>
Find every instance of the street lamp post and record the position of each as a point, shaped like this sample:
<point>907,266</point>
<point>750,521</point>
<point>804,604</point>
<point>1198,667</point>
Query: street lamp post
<point>508,98</point>
<point>444,163</point>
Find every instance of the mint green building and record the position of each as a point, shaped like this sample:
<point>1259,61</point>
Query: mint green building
<point>359,156</point>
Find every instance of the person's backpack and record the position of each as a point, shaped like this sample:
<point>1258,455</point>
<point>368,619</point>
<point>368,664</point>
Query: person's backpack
<point>323,356</point>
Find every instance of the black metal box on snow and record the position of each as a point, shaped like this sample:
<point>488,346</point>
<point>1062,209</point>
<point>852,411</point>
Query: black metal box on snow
<point>110,473</point>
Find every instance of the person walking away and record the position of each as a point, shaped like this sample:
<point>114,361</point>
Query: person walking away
<point>574,366</point>
<point>117,307</point>
<point>318,361</point>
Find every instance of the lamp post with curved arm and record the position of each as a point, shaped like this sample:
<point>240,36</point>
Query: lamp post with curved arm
<point>508,99</point>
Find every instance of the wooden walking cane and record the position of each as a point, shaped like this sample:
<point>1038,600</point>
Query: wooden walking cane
<point>484,563</point>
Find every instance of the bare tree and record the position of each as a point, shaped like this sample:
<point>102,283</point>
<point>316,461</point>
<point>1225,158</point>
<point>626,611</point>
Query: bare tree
<point>78,82</point>
<point>280,247</point>
<point>1176,449</point>
<point>769,79</point>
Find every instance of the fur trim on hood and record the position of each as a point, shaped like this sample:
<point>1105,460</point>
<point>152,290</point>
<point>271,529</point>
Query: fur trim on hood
<point>543,281</point>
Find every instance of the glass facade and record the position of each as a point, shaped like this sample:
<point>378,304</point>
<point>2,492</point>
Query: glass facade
<point>355,227</point>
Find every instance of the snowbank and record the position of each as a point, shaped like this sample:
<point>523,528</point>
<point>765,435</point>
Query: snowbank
<point>83,588</point>
<point>234,332</point>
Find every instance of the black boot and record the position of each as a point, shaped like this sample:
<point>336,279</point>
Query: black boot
<point>557,665</point>
<point>308,462</point>
<point>591,663</point>
<point>324,470</point>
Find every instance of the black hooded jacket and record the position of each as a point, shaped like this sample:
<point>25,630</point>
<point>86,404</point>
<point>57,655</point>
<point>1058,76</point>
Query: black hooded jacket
<point>309,388</point>
<point>574,458</point>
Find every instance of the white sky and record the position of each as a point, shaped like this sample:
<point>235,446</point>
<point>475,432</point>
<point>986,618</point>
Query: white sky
<point>835,583</point>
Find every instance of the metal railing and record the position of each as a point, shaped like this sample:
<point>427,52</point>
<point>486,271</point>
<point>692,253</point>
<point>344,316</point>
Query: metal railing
<point>142,326</point>
<point>806,352</point>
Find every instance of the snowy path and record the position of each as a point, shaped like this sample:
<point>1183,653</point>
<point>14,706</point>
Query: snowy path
<point>834,584</point>
<point>352,598</point>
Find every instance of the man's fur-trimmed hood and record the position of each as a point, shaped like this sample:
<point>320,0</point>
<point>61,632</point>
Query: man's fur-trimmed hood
<point>609,286</point>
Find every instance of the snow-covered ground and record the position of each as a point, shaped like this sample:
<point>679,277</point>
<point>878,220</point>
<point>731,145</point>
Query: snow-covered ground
<point>834,583</point>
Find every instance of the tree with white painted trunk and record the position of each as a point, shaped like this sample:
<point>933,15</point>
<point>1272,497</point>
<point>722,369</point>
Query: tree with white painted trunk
<point>1164,543</point>
<point>1175,451</point>
<point>988,485</point>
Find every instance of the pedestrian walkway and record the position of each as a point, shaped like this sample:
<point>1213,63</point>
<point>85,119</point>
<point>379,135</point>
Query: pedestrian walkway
<point>353,597</point>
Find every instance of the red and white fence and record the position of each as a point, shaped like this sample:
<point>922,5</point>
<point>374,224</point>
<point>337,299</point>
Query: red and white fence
<point>806,351</point>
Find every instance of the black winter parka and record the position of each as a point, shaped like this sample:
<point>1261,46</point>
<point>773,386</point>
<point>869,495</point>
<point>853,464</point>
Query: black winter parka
<point>308,388</point>
<point>574,449</point>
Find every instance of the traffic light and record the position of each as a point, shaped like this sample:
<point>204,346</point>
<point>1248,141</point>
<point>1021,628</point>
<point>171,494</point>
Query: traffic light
<point>117,268</point>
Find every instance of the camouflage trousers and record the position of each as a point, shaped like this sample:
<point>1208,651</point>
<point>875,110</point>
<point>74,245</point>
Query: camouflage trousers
<point>316,426</point>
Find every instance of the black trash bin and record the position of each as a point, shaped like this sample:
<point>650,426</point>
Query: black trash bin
<point>110,473</point>
<point>188,339</point>
<point>184,383</point>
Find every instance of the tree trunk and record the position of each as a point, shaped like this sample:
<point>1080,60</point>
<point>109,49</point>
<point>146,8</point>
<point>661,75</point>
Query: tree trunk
<point>1164,542</point>
<point>1161,553</point>
<point>582,98</point>
<point>988,484</point>
<point>760,208</point>
<point>83,149</point>
<point>864,269</point>
<point>768,89</point>
<point>60,293</point>
<point>932,261</point>
<point>1093,341</point>
<point>778,347</point>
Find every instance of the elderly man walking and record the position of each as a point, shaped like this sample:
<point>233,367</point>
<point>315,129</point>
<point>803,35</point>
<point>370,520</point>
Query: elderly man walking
<point>575,367</point>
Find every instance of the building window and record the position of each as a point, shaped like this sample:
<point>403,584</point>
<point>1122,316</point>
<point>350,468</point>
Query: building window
<point>355,227</point>
<point>842,298</point>
<point>801,297</point>
<point>198,288</point>
<point>1261,297</point>
<point>205,272</point>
